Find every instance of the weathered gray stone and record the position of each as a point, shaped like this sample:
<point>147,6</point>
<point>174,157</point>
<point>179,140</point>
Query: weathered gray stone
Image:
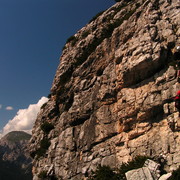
<point>149,171</point>
<point>139,174</point>
<point>153,167</point>
<point>112,95</point>
<point>165,176</point>
<point>109,161</point>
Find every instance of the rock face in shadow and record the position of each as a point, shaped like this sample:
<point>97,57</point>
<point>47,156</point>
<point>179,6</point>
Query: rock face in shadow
<point>111,98</point>
<point>15,161</point>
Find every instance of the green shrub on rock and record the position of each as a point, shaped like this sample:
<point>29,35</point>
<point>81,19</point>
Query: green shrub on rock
<point>106,173</point>
<point>175,175</point>
<point>103,173</point>
<point>42,175</point>
<point>44,145</point>
<point>46,127</point>
<point>136,163</point>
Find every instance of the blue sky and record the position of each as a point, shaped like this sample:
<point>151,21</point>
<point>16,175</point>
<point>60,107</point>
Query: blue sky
<point>32,34</point>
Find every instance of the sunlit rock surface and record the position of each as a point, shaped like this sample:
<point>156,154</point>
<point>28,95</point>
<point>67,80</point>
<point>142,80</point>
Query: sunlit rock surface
<point>112,96</point>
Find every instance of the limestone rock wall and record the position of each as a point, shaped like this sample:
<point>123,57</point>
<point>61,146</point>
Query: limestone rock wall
<point>111,98</point>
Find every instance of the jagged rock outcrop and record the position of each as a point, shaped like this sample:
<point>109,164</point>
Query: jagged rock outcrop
<point>111,98</point>
<point>150,171</point>
<point>15,161</point>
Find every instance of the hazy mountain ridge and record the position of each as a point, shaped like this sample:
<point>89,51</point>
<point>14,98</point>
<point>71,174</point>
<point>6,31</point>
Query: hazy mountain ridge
<point>15,161</point>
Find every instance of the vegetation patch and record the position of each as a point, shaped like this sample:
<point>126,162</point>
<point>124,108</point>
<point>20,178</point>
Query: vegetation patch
<point>136,163</point>
<point>39,153</point>
<point>72,39</point>
<point>103,173</point>
<point>44,145</point>
<point>175,175</point>
<point>85,34</point>
<point>106,173</point>
<point>33,154</point>
<point>46,127</point>
<point>42,175</point>
<point>49,95</point>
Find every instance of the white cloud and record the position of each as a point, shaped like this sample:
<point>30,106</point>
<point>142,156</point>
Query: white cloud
<point>25,118</point>
<point>9,108</point>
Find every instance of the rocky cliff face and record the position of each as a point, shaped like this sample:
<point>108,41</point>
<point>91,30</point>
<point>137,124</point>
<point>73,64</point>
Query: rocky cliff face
<point>15,161</point>
<point>111,98</point>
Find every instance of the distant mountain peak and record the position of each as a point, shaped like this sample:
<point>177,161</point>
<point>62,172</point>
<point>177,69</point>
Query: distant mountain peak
<point>16,136</point>
<point>15,161</point>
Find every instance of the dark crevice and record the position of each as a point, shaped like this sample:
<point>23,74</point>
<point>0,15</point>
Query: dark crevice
<point>120,144</point>
<point>65,77</point>
<point>157,113</point>
<point>54,112</point>
<point>119,60</point>
<point>138,14</point>
<point>80,120</point>
<point>108,96</point>
<point>69,102</point>
<point>156,5</point>
<point>99,72</point>
<point>153,115</point>
<point>151,152</point>
<point>177,55</point>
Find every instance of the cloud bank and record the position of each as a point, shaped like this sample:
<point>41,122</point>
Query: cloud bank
<point>25,118</point>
